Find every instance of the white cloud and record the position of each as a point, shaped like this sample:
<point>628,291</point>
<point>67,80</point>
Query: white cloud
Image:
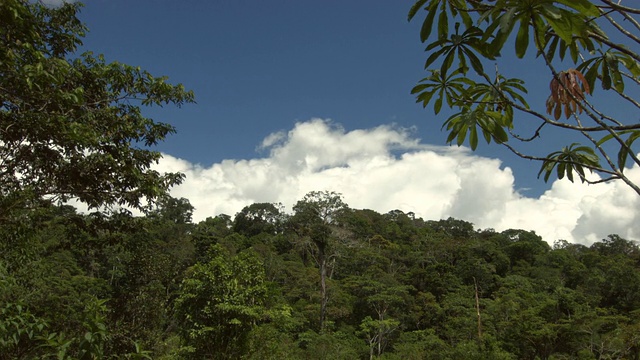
<point>385,168</point>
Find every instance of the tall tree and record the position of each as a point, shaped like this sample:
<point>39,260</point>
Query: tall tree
<point>582,44</point>
<point>315,218</point>
<point>71,126</point>
<point>220,302</point>
<point>259,218</point>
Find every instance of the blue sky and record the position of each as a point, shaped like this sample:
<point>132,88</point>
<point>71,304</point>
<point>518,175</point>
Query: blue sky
<point>258,67</point>
<point>326,84</point>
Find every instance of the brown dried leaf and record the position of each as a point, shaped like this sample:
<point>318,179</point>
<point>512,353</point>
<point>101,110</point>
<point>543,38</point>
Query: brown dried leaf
<point>565,88</point>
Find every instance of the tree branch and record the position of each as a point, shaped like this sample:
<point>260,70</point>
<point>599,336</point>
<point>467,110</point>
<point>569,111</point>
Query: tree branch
<point>623,30</point>
<point>590,110</point>
<point>613,45</point>
<point>621,8</point>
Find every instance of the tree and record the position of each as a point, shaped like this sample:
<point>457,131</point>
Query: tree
<point>259,218</point>
<point>209,232</point>
<point>382,294</point>
<point>220,302</point>
<point>72,126</point>
<point>314,220</point>
<point>375,333</point>
<point>569,41</point>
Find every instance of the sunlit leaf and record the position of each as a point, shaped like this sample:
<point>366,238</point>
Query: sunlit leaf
<point>584,7</point>
<point>623,154</point>
<point>473,138</point>
<point>569,159</point>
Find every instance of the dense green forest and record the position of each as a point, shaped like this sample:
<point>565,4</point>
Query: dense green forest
<point>324,282</point>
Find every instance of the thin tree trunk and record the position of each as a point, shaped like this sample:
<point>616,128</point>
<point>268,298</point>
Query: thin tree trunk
<point>323,290</point>
<point>370,350</point>
<point>478,310</point>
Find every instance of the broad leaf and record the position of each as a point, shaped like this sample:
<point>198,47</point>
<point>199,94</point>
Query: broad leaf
<point>584,7</point>
<point>522,40</point>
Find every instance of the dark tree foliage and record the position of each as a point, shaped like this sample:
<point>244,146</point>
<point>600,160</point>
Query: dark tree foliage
<point>71,125</point>
<point>395,287</point>
<point>259,218</point>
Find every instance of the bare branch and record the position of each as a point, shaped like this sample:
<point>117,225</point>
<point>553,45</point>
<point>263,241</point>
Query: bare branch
<point>535,135</point>
<point>621,8</point>
<point>538,158</point>
<point>623,30</point>
<point>591,112</point>
<point>614,45</point>
<point>619,173</point>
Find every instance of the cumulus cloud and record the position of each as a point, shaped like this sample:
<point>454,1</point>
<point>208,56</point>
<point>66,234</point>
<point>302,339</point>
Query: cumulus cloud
<point>385,168</point>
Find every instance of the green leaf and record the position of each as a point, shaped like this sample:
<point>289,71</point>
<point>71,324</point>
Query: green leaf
<point>496,130</point>
<point>420,87</point>
<point>438,105</point>
<point>569,159</point>
<point>476,64</point>
<point>522,39</point>
<point>447,62</point>
<point>433,57</point>
<point>452,135</point>
<point>473,138</point>
<point>570,172</point>
<point>462,61</point>
<point>489,30</point>
<point>466,19</point>
<point>443,25</point>
<point>500,135</point>
<point>547,167</point>
<point>561,167</point>
<point>425,97</point>
<point>552,42</point>
<point>606,76</point>
<point>439,42</point>
<point>616,77</point>
<point>575,53</point>
<point>427,25</point>
<point>561,26</point>
<point>618,82</point>
<point>415,8</point>
<point>507,20</point>
<point>462,134</point>
<point>630,64</point>
<point>623,154</point>
<point>584,7</point>
<point>592,73</point>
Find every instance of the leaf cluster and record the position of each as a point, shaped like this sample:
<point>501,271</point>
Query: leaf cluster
<point>72,126</point>
<point>464,34</point>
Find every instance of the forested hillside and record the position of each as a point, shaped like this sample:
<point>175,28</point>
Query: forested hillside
<point>322,282</point>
